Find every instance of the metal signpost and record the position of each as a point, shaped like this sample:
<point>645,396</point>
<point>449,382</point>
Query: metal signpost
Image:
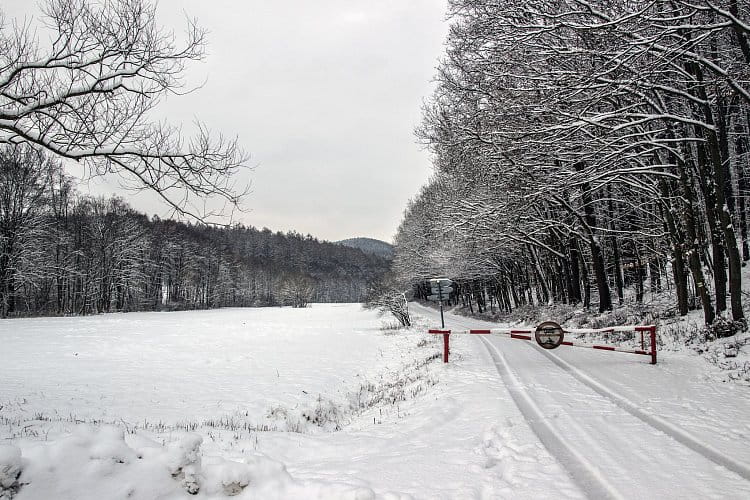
<point>440,289</point>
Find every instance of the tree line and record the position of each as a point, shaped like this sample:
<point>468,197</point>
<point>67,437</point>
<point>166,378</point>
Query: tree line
<point>65,253</point>
<point>586,149</point>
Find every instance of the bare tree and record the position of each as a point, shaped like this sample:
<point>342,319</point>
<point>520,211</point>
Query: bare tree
<point>297,291</point>
<point>385,297</point>
<point>88,93</point>
<point>24,175</point>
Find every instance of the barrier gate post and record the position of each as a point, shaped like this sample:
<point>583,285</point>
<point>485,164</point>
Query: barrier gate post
<point>653,344</point>
<point>446,346</point>
<point>651,329</point>
<point>446,341</point>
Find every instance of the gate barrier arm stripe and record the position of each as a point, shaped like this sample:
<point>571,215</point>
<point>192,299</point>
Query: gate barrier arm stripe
<point>528,334</point>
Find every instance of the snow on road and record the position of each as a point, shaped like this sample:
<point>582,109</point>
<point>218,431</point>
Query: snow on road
<point>623,428</point>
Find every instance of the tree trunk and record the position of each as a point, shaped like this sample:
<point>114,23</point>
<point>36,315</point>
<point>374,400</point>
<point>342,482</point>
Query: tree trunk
<point>539,274</point>
<point>719,180</point>
<point>586,282</point>
<point>693,250</point>
<point>710,193</point>
<point>616,264</point>
<point>575,273</point>
<point>727,227</point>
<point>742,184</point>
<point>597,255</point>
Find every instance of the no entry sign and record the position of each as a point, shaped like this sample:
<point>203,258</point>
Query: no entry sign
<point>549,335</point>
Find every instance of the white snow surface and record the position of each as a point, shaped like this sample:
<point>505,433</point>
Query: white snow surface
<point>323,403</point>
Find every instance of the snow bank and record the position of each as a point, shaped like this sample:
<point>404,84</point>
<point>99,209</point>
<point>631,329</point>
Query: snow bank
<point>97,463</point>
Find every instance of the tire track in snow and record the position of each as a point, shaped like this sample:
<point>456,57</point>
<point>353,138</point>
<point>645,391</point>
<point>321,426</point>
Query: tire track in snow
<point>583,473</point>
<point>677,433</point>
<point>587,476</point>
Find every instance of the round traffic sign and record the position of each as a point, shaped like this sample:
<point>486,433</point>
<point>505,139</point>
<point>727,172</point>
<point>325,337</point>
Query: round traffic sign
<point>549,335</point>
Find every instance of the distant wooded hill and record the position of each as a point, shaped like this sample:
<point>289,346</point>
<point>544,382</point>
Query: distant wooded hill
<point>370,245</point>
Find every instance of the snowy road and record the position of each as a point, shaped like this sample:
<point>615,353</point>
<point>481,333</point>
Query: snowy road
<point>620,427</point>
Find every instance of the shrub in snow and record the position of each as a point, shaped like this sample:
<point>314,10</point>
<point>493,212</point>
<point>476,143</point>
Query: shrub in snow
<point>391,326</point>
<point>325,414</point>
<point>724,327</point>
<point>732,356</point>
<point>386,297</point>
<point>10,470</point>
<point>698,335</point>
<point>394,387</point>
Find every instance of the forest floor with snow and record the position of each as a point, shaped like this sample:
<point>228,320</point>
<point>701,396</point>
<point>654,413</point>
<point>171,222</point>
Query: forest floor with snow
<point>327,402</point>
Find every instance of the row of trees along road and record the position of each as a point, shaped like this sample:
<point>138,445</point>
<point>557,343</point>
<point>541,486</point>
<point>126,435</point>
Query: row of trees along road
<point>584,146</point>
<point>63,253</point>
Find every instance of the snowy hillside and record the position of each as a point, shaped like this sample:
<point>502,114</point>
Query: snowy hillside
<point>325,403</point>
<point>370,245</point>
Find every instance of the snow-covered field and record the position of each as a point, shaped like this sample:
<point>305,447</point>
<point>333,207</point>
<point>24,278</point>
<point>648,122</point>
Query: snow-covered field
<point>323,403</point>
<point>170,369</point>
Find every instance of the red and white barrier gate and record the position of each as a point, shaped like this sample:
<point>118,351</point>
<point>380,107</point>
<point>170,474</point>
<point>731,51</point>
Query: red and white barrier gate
<point>528,334</point>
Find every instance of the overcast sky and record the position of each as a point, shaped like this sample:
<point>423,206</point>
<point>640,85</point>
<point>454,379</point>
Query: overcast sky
<point>323,94</point>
